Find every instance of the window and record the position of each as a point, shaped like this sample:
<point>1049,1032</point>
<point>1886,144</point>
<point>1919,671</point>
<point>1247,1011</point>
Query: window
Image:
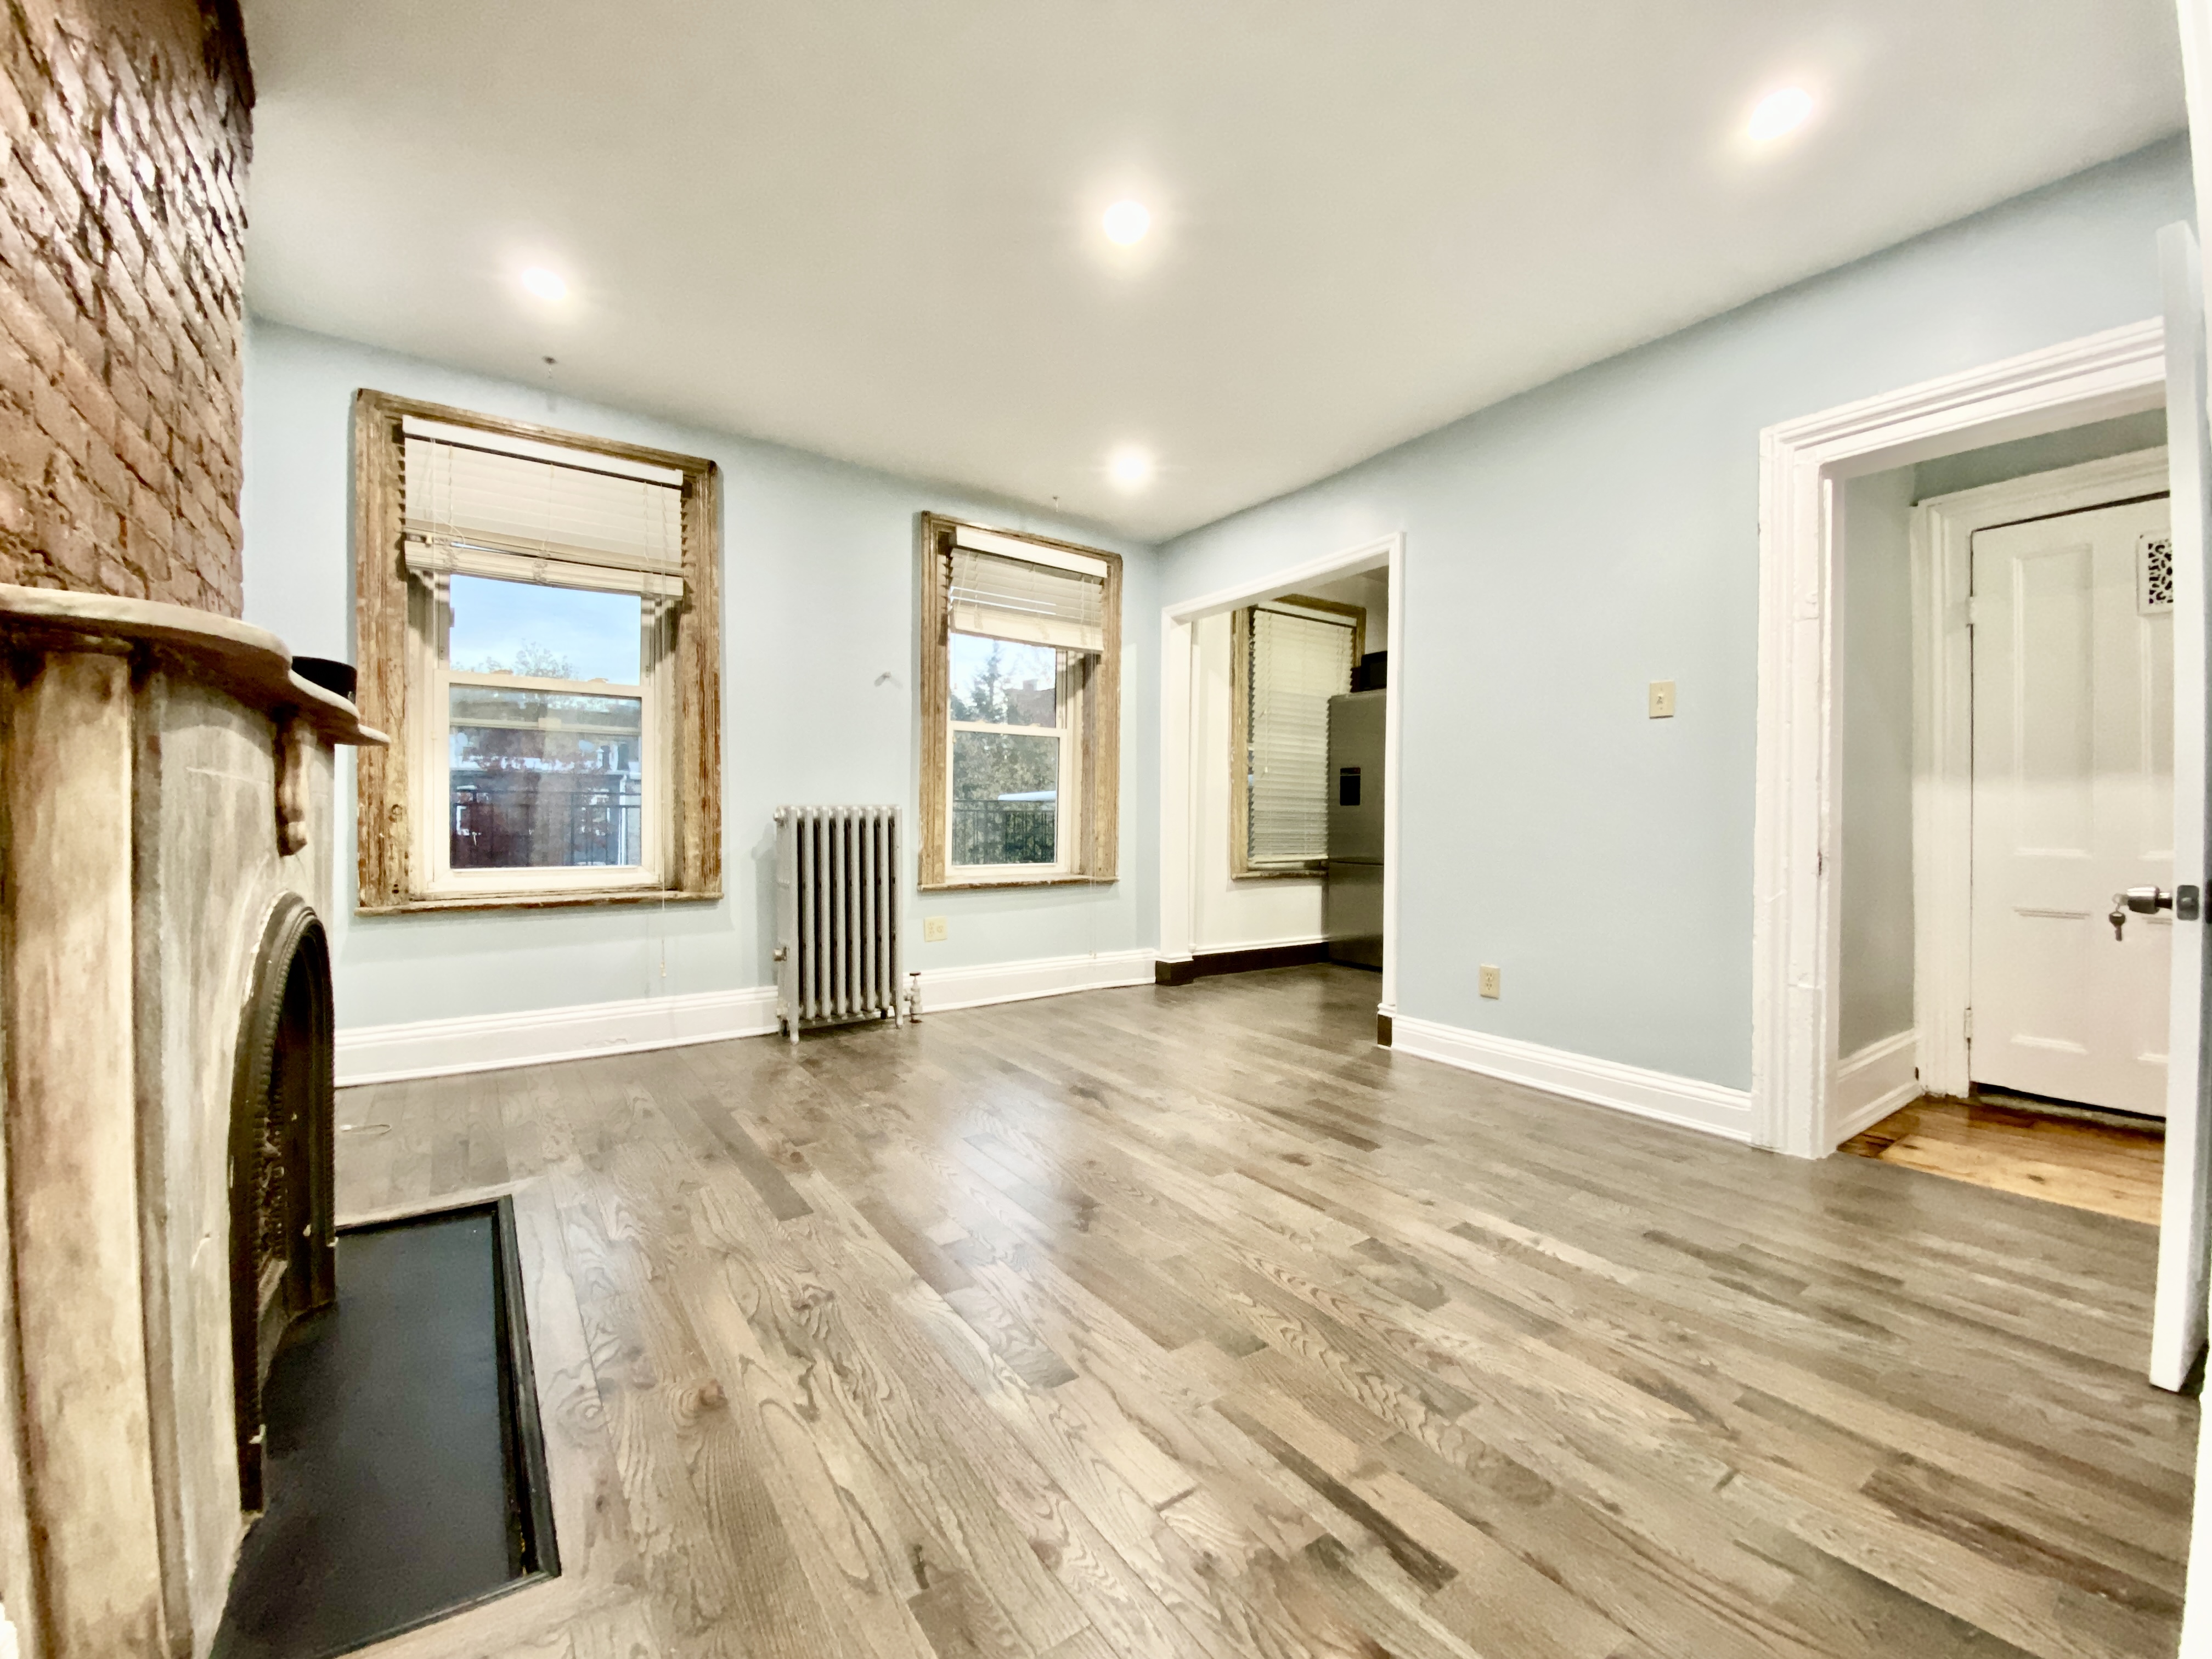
<point>1287,658</point>
<point>539,630</point>
<point>1021,696</point>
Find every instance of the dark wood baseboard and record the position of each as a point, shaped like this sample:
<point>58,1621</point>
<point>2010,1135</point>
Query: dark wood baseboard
<point>1207,963</point>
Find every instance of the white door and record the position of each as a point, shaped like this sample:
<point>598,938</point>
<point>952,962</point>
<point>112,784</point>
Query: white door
<point>2178,1317</point>
<point>2073,801</point>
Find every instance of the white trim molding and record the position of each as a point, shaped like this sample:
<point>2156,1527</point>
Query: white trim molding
<point>1679,1100</point>
<point>1943,729</point>
<point>944,989</point>
<point>487,1043</point>
<point>1873,1083</point>
<point>1796,815</point>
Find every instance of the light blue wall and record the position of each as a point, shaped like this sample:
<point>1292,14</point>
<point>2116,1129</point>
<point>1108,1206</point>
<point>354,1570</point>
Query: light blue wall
<point>1874,875</point>
<point>820,646</point>
<point>1569,545</point>
<point>2098,440</point>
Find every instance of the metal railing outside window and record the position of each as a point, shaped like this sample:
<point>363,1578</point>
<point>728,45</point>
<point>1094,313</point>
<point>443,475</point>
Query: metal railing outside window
<point>1003,831</point>
<point>536,820</point>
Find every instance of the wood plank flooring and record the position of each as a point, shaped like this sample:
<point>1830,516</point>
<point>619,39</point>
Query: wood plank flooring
<point>2113,1167</point>
<point>1187,1321</point>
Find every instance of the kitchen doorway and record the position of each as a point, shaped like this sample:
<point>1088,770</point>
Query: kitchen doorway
<point>1207,893</point>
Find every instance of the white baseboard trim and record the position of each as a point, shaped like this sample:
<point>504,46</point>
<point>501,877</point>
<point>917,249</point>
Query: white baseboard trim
<point>485,1043</point>
<point>1872,1083</point>
<point>944,989</point>
<point>1671,1099</point>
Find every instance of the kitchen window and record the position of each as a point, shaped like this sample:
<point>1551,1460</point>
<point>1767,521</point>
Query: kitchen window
<point>1020,693</point>
<point>538,630</point>
<point>1287,658</point>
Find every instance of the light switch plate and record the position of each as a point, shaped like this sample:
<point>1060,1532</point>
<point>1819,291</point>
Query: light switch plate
<point>1491,978</point>
<point>933,930</point>
<point>1662,700</point>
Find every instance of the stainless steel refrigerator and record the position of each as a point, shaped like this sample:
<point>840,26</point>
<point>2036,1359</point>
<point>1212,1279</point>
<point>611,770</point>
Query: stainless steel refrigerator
<point>1351,902</point>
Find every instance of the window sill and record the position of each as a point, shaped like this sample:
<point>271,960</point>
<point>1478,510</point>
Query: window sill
<point>1303,873</point>
<point>1037,881</point>
<point>567,898</point>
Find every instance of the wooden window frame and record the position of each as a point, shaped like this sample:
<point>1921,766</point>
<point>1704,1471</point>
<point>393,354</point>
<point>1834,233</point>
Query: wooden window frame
<point>1241,867</point>
<point>1096,808</point>
<point>390,616</point>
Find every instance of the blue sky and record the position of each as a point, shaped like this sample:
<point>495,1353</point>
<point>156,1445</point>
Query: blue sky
<point>597,633</point>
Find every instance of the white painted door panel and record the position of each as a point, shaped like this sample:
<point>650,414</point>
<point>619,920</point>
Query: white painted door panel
<point>2073,800</point>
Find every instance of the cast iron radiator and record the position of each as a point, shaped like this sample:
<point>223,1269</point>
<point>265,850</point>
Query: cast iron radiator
<point>837,916</point>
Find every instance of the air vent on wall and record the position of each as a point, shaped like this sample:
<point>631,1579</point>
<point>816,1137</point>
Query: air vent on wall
<point>2154,574</point>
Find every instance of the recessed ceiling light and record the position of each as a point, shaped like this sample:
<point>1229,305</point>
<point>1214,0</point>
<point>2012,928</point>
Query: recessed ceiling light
<point>1130,468</point>
<point>545,284</point>
<point>1779,112</point>
<point>1126,223</point>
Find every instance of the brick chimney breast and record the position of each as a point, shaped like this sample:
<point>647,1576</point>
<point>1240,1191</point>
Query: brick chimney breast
<point>127,126</point>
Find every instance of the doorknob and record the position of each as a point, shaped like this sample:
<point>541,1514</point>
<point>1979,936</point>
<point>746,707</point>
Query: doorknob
<point>2144,901</point>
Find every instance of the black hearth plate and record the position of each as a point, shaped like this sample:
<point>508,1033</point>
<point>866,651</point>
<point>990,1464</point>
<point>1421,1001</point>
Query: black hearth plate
<point>405,1470</point>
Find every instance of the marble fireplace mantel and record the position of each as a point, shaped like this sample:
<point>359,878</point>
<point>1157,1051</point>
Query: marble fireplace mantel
<point>166,785</point>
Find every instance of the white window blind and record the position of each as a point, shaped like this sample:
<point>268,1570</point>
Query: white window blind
<point>479,508</point>
<point>1011,599</point>
<point>1298,662</point>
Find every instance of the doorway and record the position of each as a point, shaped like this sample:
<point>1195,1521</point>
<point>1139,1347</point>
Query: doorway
<point>1815,1080</point>
<point>1798,914</point>
<point>1983,838</point>
<point>1220,912</point>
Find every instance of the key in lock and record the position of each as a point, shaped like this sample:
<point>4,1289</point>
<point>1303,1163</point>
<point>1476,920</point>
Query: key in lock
<point>2143,902</point>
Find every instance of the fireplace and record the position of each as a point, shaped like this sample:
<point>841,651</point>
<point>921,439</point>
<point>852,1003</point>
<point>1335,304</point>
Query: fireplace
<point>166,862</point>
<point>283,1238</point>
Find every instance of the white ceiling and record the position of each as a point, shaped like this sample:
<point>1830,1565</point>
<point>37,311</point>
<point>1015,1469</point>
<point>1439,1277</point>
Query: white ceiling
<point>870,228</point>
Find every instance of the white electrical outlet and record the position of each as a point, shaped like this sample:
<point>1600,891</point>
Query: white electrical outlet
<point>932,930</point>
<point>1662,700</point>
<point>1489,980</point>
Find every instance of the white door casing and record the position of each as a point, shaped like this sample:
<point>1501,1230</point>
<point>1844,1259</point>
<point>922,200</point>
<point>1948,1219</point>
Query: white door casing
<point>2073,801</point>
<point>1794,815</point>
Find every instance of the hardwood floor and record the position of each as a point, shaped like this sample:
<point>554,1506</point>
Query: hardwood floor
<point>2092,1163</point>
<point>1185,1321</point>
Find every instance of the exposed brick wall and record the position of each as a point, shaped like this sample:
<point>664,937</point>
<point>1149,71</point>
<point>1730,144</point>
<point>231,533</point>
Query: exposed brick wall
<point>122,244</point>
